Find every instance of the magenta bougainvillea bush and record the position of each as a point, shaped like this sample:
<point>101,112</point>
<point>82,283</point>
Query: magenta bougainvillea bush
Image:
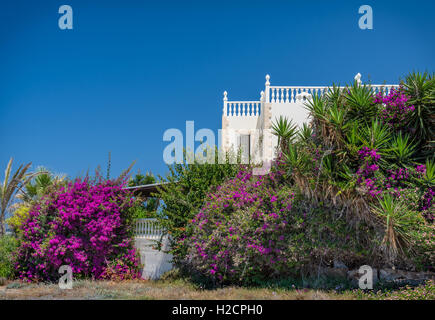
<point>252,229</point>
<point>226,245</point>
<point>395,109</point>
<point>86,225</point>
<point>396,181</point>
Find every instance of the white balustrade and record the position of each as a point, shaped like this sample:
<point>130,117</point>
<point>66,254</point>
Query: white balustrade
<point>286,94</point>
<point>148,228</point>
<point>281,94</point>
<point>242,108</point>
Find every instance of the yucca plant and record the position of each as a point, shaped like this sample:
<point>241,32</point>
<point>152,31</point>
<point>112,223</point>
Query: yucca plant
<point>359,100</point>
<point>352,142</point>
<point>328,117</point>
<point>399,224</point>
<point>336,115</point>
<point>375,135</point>
<point>428,178</point>
<point>317,108</point>
<point>402,150</point>
<point>285,130</point>
<point>420,87</point>
<point>305,133</point>
<point>335,95</point>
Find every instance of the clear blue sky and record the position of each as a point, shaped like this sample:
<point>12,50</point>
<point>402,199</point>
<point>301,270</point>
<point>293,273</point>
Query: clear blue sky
<point>129,70</point>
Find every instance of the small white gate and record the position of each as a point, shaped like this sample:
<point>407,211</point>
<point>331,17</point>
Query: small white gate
<point>155,262</point>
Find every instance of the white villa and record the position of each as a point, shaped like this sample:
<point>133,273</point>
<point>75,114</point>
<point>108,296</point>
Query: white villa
<point>247,124</point>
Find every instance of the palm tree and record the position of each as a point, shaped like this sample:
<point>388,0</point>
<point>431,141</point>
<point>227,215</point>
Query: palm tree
<point>9,187</point>
<point>39,186</point>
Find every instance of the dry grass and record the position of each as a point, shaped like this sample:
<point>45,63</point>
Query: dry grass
<point>168,290</point>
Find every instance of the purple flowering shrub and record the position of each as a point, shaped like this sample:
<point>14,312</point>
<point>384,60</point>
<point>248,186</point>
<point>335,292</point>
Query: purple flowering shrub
<point>400,182</point>
<point>84,224</point>
<point>395,110</point>
<point>364,148</point>
<point>252,228</point>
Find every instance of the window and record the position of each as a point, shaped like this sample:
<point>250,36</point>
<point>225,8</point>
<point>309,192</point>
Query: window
<point>244,144</point>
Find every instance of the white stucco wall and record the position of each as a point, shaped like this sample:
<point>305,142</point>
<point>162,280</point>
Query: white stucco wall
<point>294,111</point>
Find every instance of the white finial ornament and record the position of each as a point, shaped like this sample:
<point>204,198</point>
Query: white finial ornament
<point>261,95</point>
<point>358,78</point>
<point>225,96</point>
<point>267,80</point>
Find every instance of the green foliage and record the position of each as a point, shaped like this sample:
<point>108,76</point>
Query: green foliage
<point>140,179</point>
<point>41,183</point>
<point>359,103</point>
<point>253,229</point>
<point>8,245</point>
<point>285,130</point>
<point>184,194</point>
<point>428,178</point>
<point>144,207</point>
<point>21,214</point>
<point>420,87</point>
<point>9,187</point>
<point>401,225</point>
<point>356,153</point>
<point>402,150</point>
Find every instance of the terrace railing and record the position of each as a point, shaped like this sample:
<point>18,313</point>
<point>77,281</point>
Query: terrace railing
<point>148,228</point>
<point>284,94</point>
<point>242,108</point>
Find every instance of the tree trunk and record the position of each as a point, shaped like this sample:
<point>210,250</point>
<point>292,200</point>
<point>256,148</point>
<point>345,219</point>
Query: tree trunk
<point>2,227</point>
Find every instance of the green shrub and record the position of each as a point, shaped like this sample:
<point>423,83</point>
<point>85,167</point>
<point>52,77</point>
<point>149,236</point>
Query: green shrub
<point>144,207</point>
<point>363,157</point>
<point>252,229</point>
<point>184,193</point>
<point>8,244</point>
